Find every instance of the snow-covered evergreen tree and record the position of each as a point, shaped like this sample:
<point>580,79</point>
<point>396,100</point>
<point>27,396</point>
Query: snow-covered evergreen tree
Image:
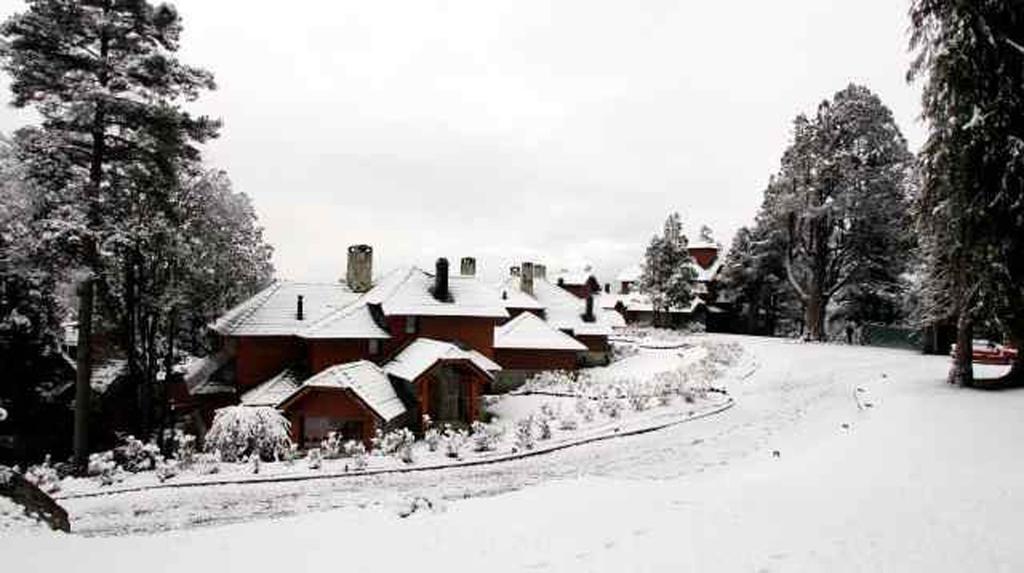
<point>970,56</point>
<point>668,273</point>
<point>104,77</point>
<point>840,207</point>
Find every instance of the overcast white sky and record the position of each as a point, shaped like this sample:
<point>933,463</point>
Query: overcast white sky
<point>563,130</point>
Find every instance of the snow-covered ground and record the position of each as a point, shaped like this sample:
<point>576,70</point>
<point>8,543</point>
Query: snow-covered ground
<point>833,458</point>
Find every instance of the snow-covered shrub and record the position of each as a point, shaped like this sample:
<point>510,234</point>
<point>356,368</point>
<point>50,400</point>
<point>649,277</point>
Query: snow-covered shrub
<point>585,409</point>
<point>543,428</point>
<point>240,431</point>
<point>331,446</point>
<point>611,407</point>
<point>433,439</point>
<point>454,441</point>
<point>398,443</point>
<point>104,468</point>
<point>135,456</point>
<point>547,411</point>
<point>485,436</point>
<point>207,463</point>
<point>524,434</point>
<point>396,440</point>
<point>44,476</point>
<point>637,399</point>
<point>357,451</point>
<point>183,448</point>
<point>166,469</point>
<point>315,459</point>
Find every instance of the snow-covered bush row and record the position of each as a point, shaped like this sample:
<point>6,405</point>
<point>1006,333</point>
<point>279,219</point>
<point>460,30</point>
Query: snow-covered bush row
<point>240,431</point>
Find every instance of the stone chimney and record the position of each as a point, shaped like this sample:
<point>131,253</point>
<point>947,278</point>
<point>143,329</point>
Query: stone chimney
<point>441,281</point>
<point>360,268</point>
<point>526,279</point>
<point>468,267</point>
<point>299,313</point>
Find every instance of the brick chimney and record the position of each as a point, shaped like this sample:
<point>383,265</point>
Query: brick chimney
<point>526,279</point>
<point>360,268</point>
<point>441,281</point>
<point>468,267</point>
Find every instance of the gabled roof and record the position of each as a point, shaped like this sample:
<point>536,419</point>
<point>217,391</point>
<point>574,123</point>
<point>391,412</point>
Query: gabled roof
<point>527,331</point>
<point>272,312</point>
<point>273,391</point>
<point>407,292</point>
<point>424,353</point>
<point>364,379</point>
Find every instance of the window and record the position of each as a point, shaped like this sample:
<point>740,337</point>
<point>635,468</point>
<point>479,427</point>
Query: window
<point>374,347</point>
<point>410,325</point>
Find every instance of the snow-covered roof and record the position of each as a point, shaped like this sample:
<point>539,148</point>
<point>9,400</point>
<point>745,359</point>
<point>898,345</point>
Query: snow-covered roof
<point>407,292</point>
<point>273,391</point>
<point>517,299</point>
<point>364,379</point>
<point>703,244</point>
<point>352,321</point>
<point>579,277</point>
<point>424,353</point>
<point>273,311</point>
<point>630,274</point>
<point>562,309</point>
<point>198,371</point>
<point>709,274</point>
<point>530,332</point>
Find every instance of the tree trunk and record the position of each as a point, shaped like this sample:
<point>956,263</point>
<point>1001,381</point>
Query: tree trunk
<point>83,376</point>
<point>962,371</point>
<point>814,312</point>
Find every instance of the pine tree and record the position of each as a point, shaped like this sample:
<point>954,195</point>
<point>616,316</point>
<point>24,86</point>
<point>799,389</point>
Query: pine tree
<point>668,272</point>
<point>970,56</point>
<point>104,77</point>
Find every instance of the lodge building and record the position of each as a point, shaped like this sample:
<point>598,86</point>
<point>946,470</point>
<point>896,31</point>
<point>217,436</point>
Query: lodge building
<point>361,355</point>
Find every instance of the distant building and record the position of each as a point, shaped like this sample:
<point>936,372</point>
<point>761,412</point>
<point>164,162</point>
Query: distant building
<point>636,308</point>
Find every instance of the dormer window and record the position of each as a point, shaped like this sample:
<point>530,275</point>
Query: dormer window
<point>410,325</point>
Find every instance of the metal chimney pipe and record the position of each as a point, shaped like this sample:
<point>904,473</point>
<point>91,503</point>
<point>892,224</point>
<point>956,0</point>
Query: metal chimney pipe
<point>299,314</point>
<point>441,281</point>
